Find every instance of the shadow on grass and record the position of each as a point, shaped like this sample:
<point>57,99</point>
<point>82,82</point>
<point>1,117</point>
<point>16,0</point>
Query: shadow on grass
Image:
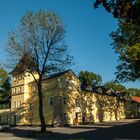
<point>130,131</point>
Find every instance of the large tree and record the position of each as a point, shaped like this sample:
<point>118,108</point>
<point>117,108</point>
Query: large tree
<point>4,84</point>
<point>89,80</point>
<point>40,35</point>
<point>126,40</point>
<point>115,86</point>
<point>122,9</point>
<point>134,91</point>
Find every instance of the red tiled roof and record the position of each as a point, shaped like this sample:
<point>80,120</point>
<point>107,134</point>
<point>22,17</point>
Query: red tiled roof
<point>136,99</point>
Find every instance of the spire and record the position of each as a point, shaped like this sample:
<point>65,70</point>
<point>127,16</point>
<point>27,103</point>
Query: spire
<point>25,63</point>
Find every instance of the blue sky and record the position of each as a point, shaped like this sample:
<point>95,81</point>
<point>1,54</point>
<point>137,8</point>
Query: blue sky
<point>87,32</point>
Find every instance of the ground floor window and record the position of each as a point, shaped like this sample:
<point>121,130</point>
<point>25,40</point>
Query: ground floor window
<point>65,117</point>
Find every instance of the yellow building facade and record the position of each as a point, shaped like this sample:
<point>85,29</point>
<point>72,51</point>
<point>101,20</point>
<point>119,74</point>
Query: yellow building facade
<point>63,102</point>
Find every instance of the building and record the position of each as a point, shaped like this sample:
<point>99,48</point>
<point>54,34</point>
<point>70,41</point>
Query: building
<point>63,101</point>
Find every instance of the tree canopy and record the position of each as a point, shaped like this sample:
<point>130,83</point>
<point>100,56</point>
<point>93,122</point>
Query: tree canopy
<point>126,42</point>
<point>40,35</point>
<point>89,80</point>
<point>115,86</point>
<point>134,91</point>
<point>4,84</point>
<point>122,9</point>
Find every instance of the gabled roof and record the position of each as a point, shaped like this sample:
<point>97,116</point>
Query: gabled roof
<point>136,99</point>
<point>60,74</point>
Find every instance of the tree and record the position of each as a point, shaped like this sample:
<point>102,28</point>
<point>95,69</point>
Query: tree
<point>115,86</point>
<point>89,79</point>
<point>134,91</point>
<point>4,84</point>
<point>122,9</point>
<point>126,42</point>
<point>40,36</point>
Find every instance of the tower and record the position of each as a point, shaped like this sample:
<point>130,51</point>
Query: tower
<point>20,98</point>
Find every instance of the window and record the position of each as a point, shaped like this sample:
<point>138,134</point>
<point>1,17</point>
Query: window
<point>65,116</point>
<point>14,90</point>
<point>51,101</point>
<point>19,89</point>
<point>19,104</point>
<point>67,82</point>
<point>30,107</point>
<point>19,77</point>
<point>64,100</point>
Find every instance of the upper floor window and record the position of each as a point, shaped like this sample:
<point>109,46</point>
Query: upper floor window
<point>51,101</point>
<point>19,89</point>
<point>14,90</point>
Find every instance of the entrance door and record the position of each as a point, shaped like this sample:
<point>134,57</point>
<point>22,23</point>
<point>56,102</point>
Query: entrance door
<point>77,118</point>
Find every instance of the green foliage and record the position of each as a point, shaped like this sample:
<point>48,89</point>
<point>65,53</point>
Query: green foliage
<point>4,84</point>
<point>89,80</point>
<point>134,91</point>
<point>115,86</point>
<point>3,76</point>
<point>126,42</point>
<point>122,9</point>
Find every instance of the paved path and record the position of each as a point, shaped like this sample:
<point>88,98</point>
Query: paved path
<point>120,130</point>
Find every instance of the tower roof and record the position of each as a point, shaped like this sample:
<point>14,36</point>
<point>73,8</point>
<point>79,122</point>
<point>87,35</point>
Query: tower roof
<point>25,63</point>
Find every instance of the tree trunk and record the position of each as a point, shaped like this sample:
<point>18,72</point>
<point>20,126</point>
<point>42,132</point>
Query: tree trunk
<point>41,114</point>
